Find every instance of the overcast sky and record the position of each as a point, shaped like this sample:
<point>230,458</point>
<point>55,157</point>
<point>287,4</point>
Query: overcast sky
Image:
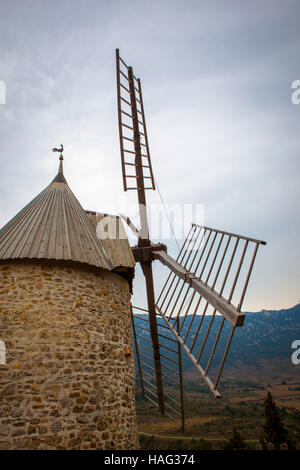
<point>223,131</point>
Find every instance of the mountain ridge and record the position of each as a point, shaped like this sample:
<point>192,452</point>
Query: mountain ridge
<point>267,334</point>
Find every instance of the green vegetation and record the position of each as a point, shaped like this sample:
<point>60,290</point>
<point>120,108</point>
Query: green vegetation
<point>274,431</point>
<point>235,442</point>
<point>210,422</point>
<point>154,443</point>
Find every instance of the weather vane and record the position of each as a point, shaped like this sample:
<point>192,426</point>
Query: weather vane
<point>60,151</point>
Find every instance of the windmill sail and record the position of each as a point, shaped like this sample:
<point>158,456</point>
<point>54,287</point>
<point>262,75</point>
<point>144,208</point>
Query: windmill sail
<point>132,129</point>
<point>170,352</point>
<point>202,298</point>
<point>136,166</point>
<point>209,279</point>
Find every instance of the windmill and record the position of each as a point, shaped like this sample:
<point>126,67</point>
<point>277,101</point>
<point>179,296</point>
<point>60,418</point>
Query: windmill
<point>208,279</point>
<point>69,285</point>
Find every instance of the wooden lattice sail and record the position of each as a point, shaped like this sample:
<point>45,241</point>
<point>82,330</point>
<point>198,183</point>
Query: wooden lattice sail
<point>209,278</point>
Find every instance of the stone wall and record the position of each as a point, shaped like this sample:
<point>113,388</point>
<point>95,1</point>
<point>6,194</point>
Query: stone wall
<point>69,380</point>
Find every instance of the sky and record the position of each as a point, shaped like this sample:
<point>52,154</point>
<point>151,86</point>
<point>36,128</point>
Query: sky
<point>223,129</point>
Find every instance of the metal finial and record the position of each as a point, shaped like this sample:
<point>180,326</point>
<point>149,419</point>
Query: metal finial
<point>60,175</point>
<point>60,151</point>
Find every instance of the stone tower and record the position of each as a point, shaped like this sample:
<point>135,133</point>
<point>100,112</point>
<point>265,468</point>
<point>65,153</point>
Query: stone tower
<point>65,311</point>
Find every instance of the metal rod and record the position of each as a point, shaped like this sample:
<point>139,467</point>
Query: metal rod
<point>171,417</point>
<point>181,289</point>
<point>125,101</point>
<point>221,262</point>
<point>192,358</point>
<point>171,380</point>
<point>126,125</point>
<point>214,260</point>
<point>207,333</point>
<point>221,291</point>
<point>195,272</point>
<point>142,309</point>
<point>144,240</point>
<point>170,339</point>
<point>203,268</point>
<point>147,365</point>
<point>213,285</point>
<point>217,301</point>
<point>169,397</point>
<point>120,119</point>
<point>193,316</point>
<point>214,346</point>
<point>247,279</point>
<point>151,392</point>
<point>149,375</point>
<point>171,390</point>
<point>185,265</point>
<point>140,318</point>
<point>169,358</point>
<point>127,114</point>
<point>167,347</point>
<point>124,75</point>
<point>149,383</point>
<point>199,326</point>
<point>145,131</point>
<point>145,355</point>
<point>229,265</point>
<point>171,273</point>
<point>137,355</point>
<point>169,368</point>
<point>223,285</point>
<point>207,303</point>
<point>122,60</point>
<point>150,399</point>
<point>181,386</point>
<point>124,87</point>
<point>199,245</point>
<point>202,252</point>
<point>143,337</point>
<point>173,409</point>
<point>238,270</point>
<point>147,270</point>
<point>128,138</point>
<point>232,234</point>
<point>145,347</point>
<point>163,326</point>
<point>143,328</point>
<point>224,357</point>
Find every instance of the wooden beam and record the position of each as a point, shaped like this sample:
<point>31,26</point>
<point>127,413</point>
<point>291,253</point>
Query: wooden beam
<point>147,270</point>
<point>228,310</point>
<point>145,253</point>
<point>211,386</point>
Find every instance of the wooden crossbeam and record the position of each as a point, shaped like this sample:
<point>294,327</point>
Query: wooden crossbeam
<point>218,302</point>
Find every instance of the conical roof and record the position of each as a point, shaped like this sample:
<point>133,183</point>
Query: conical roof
<point>53,226</point>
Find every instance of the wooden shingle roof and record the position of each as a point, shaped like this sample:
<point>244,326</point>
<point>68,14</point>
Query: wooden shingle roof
<point>54,226</point>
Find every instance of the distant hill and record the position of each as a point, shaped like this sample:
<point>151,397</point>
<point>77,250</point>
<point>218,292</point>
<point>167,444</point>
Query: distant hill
<point>265,335</point>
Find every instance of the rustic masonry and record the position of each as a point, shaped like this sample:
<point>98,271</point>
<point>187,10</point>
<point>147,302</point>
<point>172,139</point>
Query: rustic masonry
<point>65,311</point>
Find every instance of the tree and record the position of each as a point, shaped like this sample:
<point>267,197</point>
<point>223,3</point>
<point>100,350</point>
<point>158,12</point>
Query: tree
<point>273,429</point>
<point>235,443</point>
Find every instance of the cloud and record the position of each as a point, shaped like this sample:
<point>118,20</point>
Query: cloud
<point>216,81</point>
